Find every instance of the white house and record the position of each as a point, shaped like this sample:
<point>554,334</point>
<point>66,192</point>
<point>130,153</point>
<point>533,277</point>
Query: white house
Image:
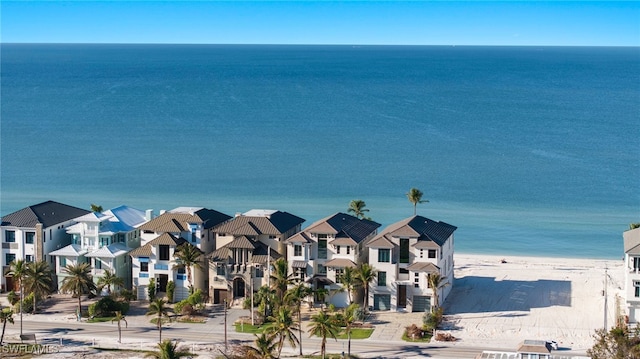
<point>632,273</point>
<point>321,252</point>
<point>103,240</point>
<point>404,255</point>
<point>161,237</point>
<point>33,232</point>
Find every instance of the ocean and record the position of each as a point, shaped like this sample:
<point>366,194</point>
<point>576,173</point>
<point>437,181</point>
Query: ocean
<point>527,150</point>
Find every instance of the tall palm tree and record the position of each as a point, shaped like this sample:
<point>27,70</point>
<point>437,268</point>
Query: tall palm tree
<point>295,296</point>
<point>415,196</point>
<point>357,208</point>
<point>265,346</point>
<point>169,350</point>
<point>283,326</point>
<point>18,270</point>
<point>79,281</point>
<point>349,281</point>
<point>188,256</point>
<point>265,298</point>
<point>365,274</point>
<point>280,277</point>
<point>96,208</point>
<point>108,279</point>
<point>436,282</point>
<point>159,308</point>
<point>323,325</point>
<point>6,315</point>
<point>38,280</point>
<point>120,318</point>
<point>350,316</point>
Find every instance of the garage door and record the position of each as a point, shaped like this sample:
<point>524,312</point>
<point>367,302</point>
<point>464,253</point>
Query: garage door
<point>421,303</point>
<point>381,301</point>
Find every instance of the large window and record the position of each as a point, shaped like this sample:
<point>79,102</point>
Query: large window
<point>163,254</point>
<point>322,246</point>
<point>98,263</point>
<point>220,269</point>
<point>144,266</point>
<point>404,250</point>
<point>339,274</point>
<point>9,237</point>
<point>322,269</point>
<point>432,253</point>
<point>28,258</point>
<point>382,279</point>
<point>297,250</point>
<point>384,255</point>
<point>636,263</point>
<point>29,236</point>
<point>9,257</point>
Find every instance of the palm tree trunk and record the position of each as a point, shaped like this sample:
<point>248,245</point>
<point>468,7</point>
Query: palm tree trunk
<point>349,342</point>
<point>119,333</point>
<point>4,325</point>
<point>79,306</point>
<point>323,347</point>
<point>160,327</point>
<point>300,326</point>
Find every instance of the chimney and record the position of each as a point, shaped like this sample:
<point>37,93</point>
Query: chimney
<point>238,214</point>
<point>148,214</point>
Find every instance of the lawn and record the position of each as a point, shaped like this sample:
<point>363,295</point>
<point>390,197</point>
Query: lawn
<point>356,333</point>
<point>248,328</point>
<point>99,319</point>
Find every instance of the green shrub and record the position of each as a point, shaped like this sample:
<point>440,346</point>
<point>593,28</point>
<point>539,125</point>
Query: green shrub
<point>107,307</point>
<point>191,305</point>
<point>27,304</point>
<point>151,289</point>
<point>127,295</point>
<point>13,297</point>
<point>431,320</point>
<point>171,288</point>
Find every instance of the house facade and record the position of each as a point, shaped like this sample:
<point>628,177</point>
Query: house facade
<point>102,240</point>
<point>33,232</point>
<point>161,237</point>
<point>319,254</point>
<point>632,273</point>
<point>404,255</point>
<point>246,247</point>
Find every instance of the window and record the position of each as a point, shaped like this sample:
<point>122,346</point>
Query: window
<point>181,271</point>
<point>220,269</point>
<point>322,269</point>
<point>104,241</point>
<point>322,246</point>
<point>98,263</point>
<point>348,249</point>
<point>144,267</point>
<point>259,272</point>
<point>404,250</point>
<point>10,257</point>
<point>9,237</point>
<point>416,280</point>
<point>382,279</point>
<point>63,261</point>
<point>428,281</point>
<point>297,250</point>
<point>163,252</point>
<point>384,255</point>
<point>338,249</point>
<point>432,253</point>
<point>636,263</point>
<point>29,236</point>
<point>28,258</point>
<point>339,274</point>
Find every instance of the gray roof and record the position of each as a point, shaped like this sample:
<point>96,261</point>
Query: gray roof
<point>344,225</point>
<point>276,223</point>
<point>48,213</point>
<point>259,251</point>
<point>163,239</point>
<point>631,241</point>
<point>423,228</point>
<point>174,222</point>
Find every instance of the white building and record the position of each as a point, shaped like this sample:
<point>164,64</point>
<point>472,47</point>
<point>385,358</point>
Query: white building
<point>102,240</point>
<point>632,273</point>
<point>33,232</point>
<point>404,255</point>
<point>161,237</point>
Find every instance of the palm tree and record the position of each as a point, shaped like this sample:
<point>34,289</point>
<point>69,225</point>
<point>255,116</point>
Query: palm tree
<point>158,307</point>
<point>108,279</point>
<point>350,316</point>
<point>349,281</point>
<point>79,281</point>
<point>365,274</point>
<point>120,318</point>
<point>38,280</point>
<point>18,270</point>
<point>436,282</point>
<point>324,325</point>
<point>6,315</point>
<point>357,208</point>
<point>264,297</point>
<point>283,326</point>
<point>188,256</point>
<point>168,350</point>
<point>415,196</point>
<point>96,208</point>
<point>295,296</point>
<point>265,346</point>
<point>280,277</point>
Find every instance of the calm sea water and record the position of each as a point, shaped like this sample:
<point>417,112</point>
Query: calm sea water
<point>528,150</point>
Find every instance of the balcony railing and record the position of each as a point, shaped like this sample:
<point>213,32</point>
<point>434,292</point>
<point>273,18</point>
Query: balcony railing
<point>161,266</point>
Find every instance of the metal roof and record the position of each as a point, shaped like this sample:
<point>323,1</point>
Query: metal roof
<point>47,213</point>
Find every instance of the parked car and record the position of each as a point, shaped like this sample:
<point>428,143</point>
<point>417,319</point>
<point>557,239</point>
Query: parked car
<point>553,344</point>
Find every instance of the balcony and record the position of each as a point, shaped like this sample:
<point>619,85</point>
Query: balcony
<point>161,266</point>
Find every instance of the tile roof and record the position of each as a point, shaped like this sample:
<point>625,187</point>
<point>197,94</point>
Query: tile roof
<point>631,241</point>
<point>163,239</point>
<point>426,267</point>
<point>381,242</point>
<point>272,223</point>
<point>340,263</point>
<point>343,241</point>
<point>354,228</point>
<point>258,255</point>
<point>48,213</point>
<point>241,242</point>
<point>175,221</point>
<point>299,264</point>
<point>300,237</point>
<point>423,228</point>
<point>426,245</point>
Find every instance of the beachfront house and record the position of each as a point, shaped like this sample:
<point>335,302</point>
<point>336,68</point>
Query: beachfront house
<point>405,254</point>
<point>319,254</point>
<point>632,273</point>
<point>246,247</point>
<point>32,233</point>
<point>102,240</point>
<point>161,236</point>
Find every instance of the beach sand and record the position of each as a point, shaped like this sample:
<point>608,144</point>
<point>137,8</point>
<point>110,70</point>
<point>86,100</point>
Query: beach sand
<point>499,301</point>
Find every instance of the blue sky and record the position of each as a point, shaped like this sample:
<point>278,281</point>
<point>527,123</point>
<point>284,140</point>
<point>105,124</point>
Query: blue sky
<point>573,23</point>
